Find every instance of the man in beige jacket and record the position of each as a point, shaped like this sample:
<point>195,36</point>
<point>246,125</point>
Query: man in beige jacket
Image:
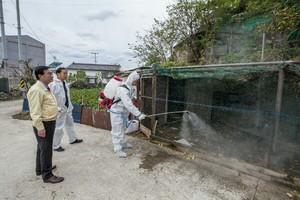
<point>43,111</point>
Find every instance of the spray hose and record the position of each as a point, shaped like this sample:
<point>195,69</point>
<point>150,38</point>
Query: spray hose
<point>128,122</point>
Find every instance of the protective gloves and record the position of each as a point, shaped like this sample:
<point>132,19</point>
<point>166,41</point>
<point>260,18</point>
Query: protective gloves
<point>142,116</point>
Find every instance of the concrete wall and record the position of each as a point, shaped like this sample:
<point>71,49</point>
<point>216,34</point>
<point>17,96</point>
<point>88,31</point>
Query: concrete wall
<point>31,49</point>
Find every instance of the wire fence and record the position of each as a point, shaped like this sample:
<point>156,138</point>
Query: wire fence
<point>253,118</point>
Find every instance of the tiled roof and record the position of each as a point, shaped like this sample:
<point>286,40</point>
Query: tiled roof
<point>94,67</point>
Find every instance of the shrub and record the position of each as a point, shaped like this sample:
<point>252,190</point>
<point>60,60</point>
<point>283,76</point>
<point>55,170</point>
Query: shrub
<point>80,84</point>
<point>86,97</point>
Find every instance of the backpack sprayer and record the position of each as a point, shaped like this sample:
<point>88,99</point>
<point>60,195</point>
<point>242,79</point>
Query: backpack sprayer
<point>106,96</point>
<point>166,113</point>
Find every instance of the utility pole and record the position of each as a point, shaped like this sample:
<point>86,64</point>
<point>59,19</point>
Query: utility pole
<point>19,36</point>
<point>263,47</point>
<point>3,39</point>
<point>95,53</point>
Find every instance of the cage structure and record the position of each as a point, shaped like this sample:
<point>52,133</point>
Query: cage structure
<point>244,112</point>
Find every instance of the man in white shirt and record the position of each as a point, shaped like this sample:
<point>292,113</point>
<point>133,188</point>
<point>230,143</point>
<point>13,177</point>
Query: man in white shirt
<point>61,91</point>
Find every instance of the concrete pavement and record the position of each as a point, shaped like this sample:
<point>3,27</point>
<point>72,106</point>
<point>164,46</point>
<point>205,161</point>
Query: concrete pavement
<point>92,171</point>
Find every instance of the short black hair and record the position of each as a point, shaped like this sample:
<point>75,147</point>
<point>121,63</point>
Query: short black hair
<point>39,70</point>
<point>58,70</point>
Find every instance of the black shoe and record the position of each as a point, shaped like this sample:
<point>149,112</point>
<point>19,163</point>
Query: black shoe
<point>40,173</point>
<point>54,179</point>
<point>77,141</point>
<point>59,149</point>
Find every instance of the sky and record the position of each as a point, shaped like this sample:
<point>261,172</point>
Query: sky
<point>74,29</point>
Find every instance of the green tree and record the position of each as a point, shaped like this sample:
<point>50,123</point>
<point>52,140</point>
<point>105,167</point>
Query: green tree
<point>157,45</point>
<point>78,78</point>
<point>99,77</point>
<point>284,14</point>
<point>189,27</point>
<point>197,22</point>
<point>196,26</point>
<point>81,75</point>
<point>187,23</point>
<point>71,78</point>
<point>276,19</point>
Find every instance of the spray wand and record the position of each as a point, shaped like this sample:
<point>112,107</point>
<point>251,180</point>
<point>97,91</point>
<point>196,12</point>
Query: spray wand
<point>166,113</point>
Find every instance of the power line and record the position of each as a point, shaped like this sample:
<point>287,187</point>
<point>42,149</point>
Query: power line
<point>70,48</point>
<point>91,4</point>
<point>30,26</point>
<point>29,33</point>
<point>59,45</point>
<point>45,38</point>
<point>48,39</point>
<point>11,25</point>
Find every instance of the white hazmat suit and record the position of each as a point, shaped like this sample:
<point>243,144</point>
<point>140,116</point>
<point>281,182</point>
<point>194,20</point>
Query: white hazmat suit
<point>119,113</point>
<point>64,118</point>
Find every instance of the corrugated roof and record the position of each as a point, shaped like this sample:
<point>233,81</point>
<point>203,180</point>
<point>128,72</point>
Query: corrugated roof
<point>94,67</point>
<point>55,64</point>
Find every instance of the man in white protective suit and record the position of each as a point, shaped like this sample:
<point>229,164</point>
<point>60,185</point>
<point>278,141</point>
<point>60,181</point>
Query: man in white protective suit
<point>119,112</point>
<point>65,120</point>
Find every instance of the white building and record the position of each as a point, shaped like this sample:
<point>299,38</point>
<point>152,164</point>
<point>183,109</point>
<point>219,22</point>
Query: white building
<point>91,70</point>
<point>31,50</point>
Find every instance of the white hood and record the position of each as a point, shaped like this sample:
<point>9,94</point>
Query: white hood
<point>132,77</point>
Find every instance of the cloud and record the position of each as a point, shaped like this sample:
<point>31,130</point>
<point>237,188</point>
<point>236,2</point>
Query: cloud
<point>80,45</point>
<point>129,53</point>
<point>75,54</point>
<point>94,26</point>
<point>87,35</point>
<point>101,16</point>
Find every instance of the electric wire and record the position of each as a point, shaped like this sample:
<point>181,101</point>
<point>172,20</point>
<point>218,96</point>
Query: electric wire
<point>32,32</point>
<point>38,38</point>
<point>91,4</point>
<point>29,26</point>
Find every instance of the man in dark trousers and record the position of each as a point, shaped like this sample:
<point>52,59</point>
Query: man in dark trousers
<point>43,111</point>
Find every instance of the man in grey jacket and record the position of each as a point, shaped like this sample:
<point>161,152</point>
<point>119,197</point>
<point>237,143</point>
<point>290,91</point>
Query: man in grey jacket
<point>61,91</point>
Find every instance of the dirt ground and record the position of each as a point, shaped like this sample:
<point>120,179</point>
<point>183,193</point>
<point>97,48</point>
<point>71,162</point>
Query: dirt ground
<point>92,171</point>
